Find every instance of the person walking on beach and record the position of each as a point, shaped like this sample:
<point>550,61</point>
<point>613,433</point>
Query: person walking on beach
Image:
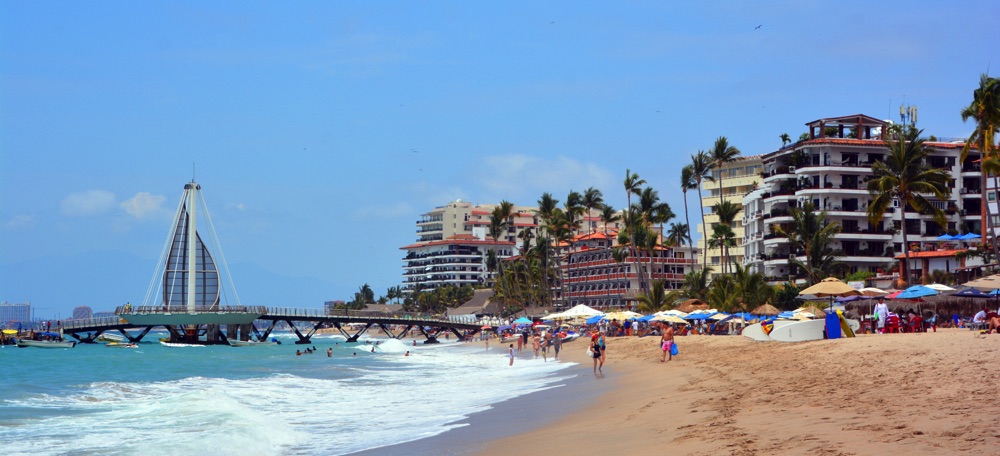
<point>546,341</point>
<point>556,344</point>
<point>666,342</point>
<point>881,312</point>
<point>536,344</point>
<point>520,342</point>
<point>511,355</point>
<point>604,348</point>
<point>595,347</point>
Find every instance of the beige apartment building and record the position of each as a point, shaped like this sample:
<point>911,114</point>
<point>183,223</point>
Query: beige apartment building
<point>737,179</point>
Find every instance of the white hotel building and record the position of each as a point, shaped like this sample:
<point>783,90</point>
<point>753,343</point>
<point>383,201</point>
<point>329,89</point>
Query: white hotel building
<point>830,169</point>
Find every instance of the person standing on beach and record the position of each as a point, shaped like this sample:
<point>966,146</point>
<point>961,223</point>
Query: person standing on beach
<point>520,342</point>
<point>667,341</point>
<point>556,344</point>
<point>604,349</point>
<point>546,341</point>
<point>881,312</point>
<point>511,355</point>
<point>536,344</point>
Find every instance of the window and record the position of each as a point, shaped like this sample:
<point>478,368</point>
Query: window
<point>991,196</point>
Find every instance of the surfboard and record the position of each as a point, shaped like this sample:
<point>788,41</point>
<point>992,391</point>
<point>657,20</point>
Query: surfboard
<point>756,332</point>
<point>799,331</point>
<point>845,326</point>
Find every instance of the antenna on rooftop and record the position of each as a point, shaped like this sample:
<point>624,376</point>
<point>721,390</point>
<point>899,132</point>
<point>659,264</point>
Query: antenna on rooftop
<point>192,172</point>
<point>908,114</point>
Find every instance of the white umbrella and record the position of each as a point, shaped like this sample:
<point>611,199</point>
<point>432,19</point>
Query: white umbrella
<point>670,319</point>
<point>939,287</point>
<point>872,291</point>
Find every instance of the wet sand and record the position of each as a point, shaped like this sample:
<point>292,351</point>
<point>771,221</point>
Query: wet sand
<point>914,394</point>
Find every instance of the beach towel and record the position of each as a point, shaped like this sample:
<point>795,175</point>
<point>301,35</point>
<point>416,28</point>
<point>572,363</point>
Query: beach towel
<point>673,349</point>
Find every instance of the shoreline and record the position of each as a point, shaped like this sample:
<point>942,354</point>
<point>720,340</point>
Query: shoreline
<point>925,393</point>
<point>479,431</point>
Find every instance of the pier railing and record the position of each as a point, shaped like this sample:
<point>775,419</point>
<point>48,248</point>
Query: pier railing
<point>158,310</point>
<point>359,314</point>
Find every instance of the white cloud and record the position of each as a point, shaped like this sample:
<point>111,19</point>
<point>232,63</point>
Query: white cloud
<point>240,207</point>
<point>143,204</point>
<point>91,202</point>
<point>21,221</point>
<point>517,176</point>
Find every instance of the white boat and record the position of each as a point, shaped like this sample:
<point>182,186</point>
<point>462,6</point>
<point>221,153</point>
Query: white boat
<point>570,337</point>
<point>45,343</point>
<point>250,343</point>
<point>111,337</point>
<point>179,345</point>
<point>121,345</point>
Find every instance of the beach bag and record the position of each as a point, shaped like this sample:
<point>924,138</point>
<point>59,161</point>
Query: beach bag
<point>673,349</point>
<point>590,353</point>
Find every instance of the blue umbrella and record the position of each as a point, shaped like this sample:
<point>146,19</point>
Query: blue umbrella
<point>594,319</point>
<point>967,236</point>
<point>523,320</point>
<point>946,237</point>
<point>647,318</point>
<point>786,314</point>
<point>973,293</point>
<point>917,291</point>
<point>992,293</point>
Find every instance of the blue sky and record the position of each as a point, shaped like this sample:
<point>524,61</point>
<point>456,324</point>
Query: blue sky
<point>321,131</point>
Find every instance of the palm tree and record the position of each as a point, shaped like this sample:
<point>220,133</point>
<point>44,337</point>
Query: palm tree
<point>546,205</point>
<point>727,211</point>
<point>608,216</point>
<point>696,283</point>
<point>905,176</point>
<point>723,237</point>
<point>687,183</point>
<point>752,287</point>
<point>561,231</point>
<point>656,299</point>
<point>985,109</point>
<point>812,234</point>
<point>592,200</point>
<point>721,154</point>
<point>499,222</point>
<point>677,233</point>
<point>722,294</point>
<point>701,171</point>
<point>633,186</point>
<point>785,139</point>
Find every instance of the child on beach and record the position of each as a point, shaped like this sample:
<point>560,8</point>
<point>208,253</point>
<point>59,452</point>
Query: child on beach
<point>511,355</point>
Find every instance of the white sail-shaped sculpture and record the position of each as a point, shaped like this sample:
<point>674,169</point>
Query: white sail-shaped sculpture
<point>187,279</point>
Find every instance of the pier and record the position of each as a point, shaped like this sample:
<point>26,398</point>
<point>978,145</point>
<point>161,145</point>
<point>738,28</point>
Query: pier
<point>219,324</point>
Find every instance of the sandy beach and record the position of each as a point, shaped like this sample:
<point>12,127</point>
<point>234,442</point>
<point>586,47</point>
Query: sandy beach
<point>932,393</point>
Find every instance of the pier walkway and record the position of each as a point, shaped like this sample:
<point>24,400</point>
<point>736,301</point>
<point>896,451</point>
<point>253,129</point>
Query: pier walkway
<point>134,323</point>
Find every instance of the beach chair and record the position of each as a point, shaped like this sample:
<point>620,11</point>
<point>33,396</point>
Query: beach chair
<point>917,325</point>
<point>931,323</point>
<point>892,324</point>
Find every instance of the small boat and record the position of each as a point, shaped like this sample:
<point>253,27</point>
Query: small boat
<point>250,343</point>
<point>121,345</point>
<point>111,337</point>
<point>167,343</point>
<point>45,340</point>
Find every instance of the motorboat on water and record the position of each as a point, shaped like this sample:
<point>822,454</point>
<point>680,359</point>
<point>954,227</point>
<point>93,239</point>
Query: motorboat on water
<point>111,337</point>
<point>121,345</point>
<point>252,343</point>
<point>45,340</point>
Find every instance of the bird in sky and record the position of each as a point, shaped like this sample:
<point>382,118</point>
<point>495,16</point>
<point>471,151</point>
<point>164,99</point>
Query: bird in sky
<point>757,27</point>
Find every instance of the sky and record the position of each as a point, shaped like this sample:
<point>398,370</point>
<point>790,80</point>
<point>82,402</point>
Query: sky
<point>321,131</point>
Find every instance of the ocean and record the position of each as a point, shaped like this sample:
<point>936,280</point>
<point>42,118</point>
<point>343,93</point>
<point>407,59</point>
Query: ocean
<point>221,400</point>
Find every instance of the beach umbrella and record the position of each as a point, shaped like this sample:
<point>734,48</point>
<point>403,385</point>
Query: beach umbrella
<point>973,293</point>
<point>849,298</point>
<point>647,317</point>
<point>621,316</point>
<point>872,291</point>
<point>786,314</point>
<point>691,305</point>
<point>967,236</point>
<point>995,292</point>
<point>946,237</point>
<point>813,310</point>
<point>940,287</point>
<point>522,321</point>
<point>766,309</point>
<point>917,291</point>
<point>988,283</point>
<point>674,312</point>
<point>595,319</point>
<point>670,319</point>
<point>718,316</point>
<point>830,287</point>
<point>893,294</point>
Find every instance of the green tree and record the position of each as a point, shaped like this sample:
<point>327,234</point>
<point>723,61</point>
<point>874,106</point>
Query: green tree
<point>633,186</point>
<point>696,283</point>
<point>677,233</point>
<point>985,110</point>
<point>727,211</point>
<point>688,182</point>
<point>906,176</point>
<point>751,288</point>
<point>723,237</point>
<point>722,293</point>
<point>656,299</point>
<point>812,234</point>
<point>592,200</point>
<point>701,171</point>
<point>785,139</point>
<point>720,155</point>
<point>785,296</point>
